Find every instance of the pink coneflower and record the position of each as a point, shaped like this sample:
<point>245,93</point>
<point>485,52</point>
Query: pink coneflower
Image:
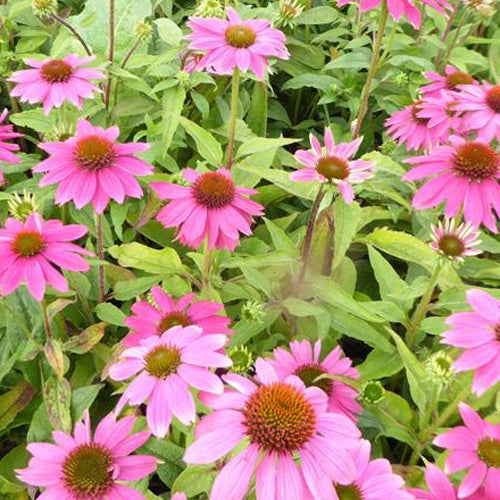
<point>475,446</point>
<point>409,127</point>
<point>92,167</point>
<point>82,467</point>
<point>149,319</point>
<point>450,81</point>
<point>31,251</point>
<point>455,241</point>
<point>399,8</point>
<point>179,496</point>
<point>303,361</point>
<point>374,478</point>
<point>168,366</point>
<point>477,332</point>
<point>281,420</point>
<point>333,164</point>
<point>6,148</point>
<point>212,207</point>
<point>481,104</point>
<point>236,43</point>
<point>464,173</point>
<point>54,81</point>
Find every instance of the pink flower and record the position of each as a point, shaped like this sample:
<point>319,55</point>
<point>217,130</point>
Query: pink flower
<point>398,8</point>
<point>374,479</point>
<point>303,361</point>
<point>54,81</point>
<point>212,207</point>
<point>455,241</point>
<point>475,446</point>
<point>408,126</point>
<point>82,467</point>
<point>6,133</point>
<point>236,43</point>
<point>463,173</point>
<point>450,81</point>
<point>30,251</point>
<point>333,164</point>
<point>149,320</point>
<point>92,167</point>
<point>481,104</point>
<point>295,447</point>
<point>478,333</point>
<point>168,366</point>
<point>178,496</point>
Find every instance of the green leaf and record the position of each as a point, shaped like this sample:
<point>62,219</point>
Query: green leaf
<point>110,314</point>
<point>54,353</point>
<point>14,401</point>
<point>318,15</point>
<point>82,399</point>
<point>280,239</point>
<point>257,114</point>
<point>260,144</point>
<point>85,341</point>
<point>173,103</point>
<point>169,31</point>
<point>57,397</point>
<point>206,144</point>
<point>380,364</point>
<point>346,218</point>
<point>195,480</point>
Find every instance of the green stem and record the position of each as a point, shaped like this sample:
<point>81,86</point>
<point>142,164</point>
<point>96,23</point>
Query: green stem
<point>205,269</point>
<point>75,33</point>
<point>446,32</point>
<point>372,70</point>
<point>453,43</point>
<point>235,89</point>
<point>100,255</point>
<point>111,55</point>
<point>46,320</point>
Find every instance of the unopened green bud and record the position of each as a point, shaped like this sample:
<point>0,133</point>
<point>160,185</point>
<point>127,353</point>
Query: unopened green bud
<point>22,207</point>
<point>44,8</point>
<point>209,8</point>
<point>372,392</point>
<point>401,79</point>
<point>388,146</point>
<point>252,311</point>
<point>144,31</point>
<point>242,359</point>
<point>439,368</point>
<point>289,10</point>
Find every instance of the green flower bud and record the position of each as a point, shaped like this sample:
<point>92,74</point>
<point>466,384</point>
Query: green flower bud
<point>44,8</point>
<point>372,392</point>
<point>252,311</point>
<point>289,10</point>
<point>209,8</point>
<point>144,31</point>
<point>242,359</point>
<point>388,146</point>
<point>439,368</point>
<point>22,207</point>
<point>401,79</point>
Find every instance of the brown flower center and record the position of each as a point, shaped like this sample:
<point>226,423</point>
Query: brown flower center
<point>56,71</point>
<point>497,332</point>
<point>94,153</point>
<point>279,418</point>
<point>174,318</point>
<point>451,245</point>
<point>493,98</point>
<point>349,492</point>
<point>87,471</point>
<point>415,109</point>
<point>476,160</point>
<point>162,361</point>
<point>28,244</point>
<point>240,36</point>
<point>333,167</point>
<point>214,190</point>
<point>309,373</point>
<point>458,78</point>
<point>488,451</point>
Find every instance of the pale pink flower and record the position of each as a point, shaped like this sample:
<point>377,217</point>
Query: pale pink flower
<point>455,241</point>
<point>374,479</point>
<point>167,366</point>
<point>399,8</point>
<point>54,81</point>
<point>235,43</point>
<point>6,148</point>
<point>82,467</point>
<point>450,81</point>
<point>463,173</point>
<point>333,164</point>
<point>149,319</point>
<point>481,104</point>
<point>92,167</point>
<point>303,361</point>
<point>294,446</point>
<point>211,207</point>
<point>179,496</point>
<point>31,251</point>
<point>478,332</point>
<point>475,446</point>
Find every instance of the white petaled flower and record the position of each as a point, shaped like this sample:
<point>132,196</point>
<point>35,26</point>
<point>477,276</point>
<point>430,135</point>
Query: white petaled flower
<point>455,241</point>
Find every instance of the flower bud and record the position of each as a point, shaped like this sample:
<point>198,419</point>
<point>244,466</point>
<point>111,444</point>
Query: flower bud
<point>372,392</point>
<point>289,10</point>
<point>44,8</point>
<point>144,31</point>
<point>209,8</point>
<point>22,207</point>
<point>242,359</point>
<point>252,311</point>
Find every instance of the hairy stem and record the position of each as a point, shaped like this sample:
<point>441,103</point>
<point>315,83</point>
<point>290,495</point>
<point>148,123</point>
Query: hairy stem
<point>111,55</point>
<point>75,33</point>
<point>235,89</point>
<point>100,255</point>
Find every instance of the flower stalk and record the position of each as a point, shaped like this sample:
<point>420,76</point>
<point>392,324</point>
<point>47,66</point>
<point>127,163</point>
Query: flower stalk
<point>235,90</point>
<point>100,255</point>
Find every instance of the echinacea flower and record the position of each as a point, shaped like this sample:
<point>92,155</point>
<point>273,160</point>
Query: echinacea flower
<point>92,167</point>
<point>399,8</point>
<point>374,479</point>
<point>450,81</point>
<point>294,446</point>
<point>474,446</point>
<point>235,43</point>
<point>333,164</point>
<point>212,207</point>
<point>31,251</point>
<point>303,362</point>
<point>6,148</point>
<point>167,366</point>
<point>454,240</point>
<point>478,332</point>
<point>463,173</point>
<point>481,104</point>
<point>54,81</point>
<point>84,467</point>
<point>154,319</point>
<point>409,127</point>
